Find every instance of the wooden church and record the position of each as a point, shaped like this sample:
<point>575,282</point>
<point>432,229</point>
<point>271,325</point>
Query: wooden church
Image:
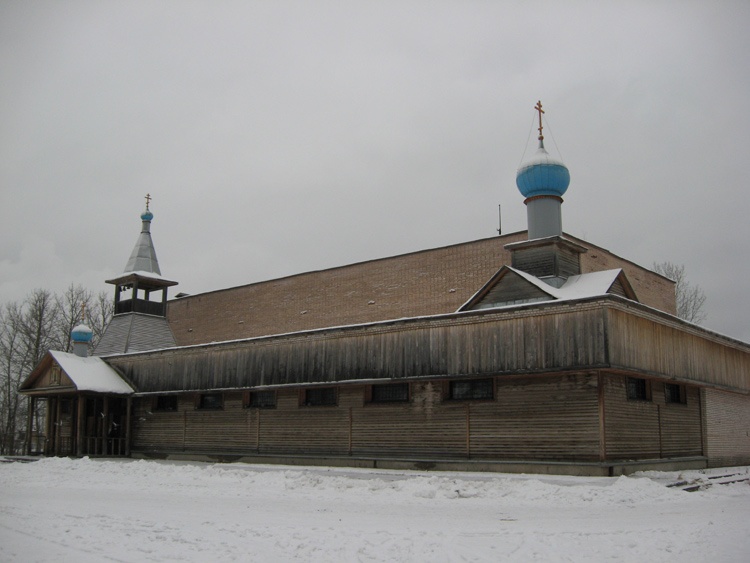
<point>534,351</point>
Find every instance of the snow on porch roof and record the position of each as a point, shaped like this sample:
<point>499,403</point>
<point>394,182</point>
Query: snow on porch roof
<point>91,374</point>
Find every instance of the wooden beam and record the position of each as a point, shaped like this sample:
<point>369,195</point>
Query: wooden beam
<point>602,419</point>
<point>128,410</point>
<point>29,426</point>
<point>80,424</point>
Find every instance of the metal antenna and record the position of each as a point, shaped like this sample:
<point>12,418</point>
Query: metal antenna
<point>499,219</point>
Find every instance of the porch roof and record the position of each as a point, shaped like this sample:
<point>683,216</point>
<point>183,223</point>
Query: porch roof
<point>90,374</point>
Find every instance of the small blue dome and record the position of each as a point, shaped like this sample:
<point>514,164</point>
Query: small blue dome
<point>81,333</point>
<point>147,215</point>
<point>542,175</point>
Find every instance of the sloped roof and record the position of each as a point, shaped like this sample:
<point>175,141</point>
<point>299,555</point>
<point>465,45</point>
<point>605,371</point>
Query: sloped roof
<point>134,332</point>
<point>143,258</point>
<point>591,284</point>
<point>89,374</point>
<point>428,282</point>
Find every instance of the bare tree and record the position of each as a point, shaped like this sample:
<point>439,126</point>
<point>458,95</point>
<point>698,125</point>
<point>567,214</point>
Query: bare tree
<point>99,315</point>
<point>690,298</point>
<point>28,329</point>
<point>25,336</point>
<point>72,306</point>
<point>12,366</point>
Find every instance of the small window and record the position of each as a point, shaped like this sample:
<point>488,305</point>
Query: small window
<point>211,401</point>
<point>166,403</point>
<point>325,396</point>
<point>262,400</point>
<point>674,393</point>
<point>390,393</point>
<point>638,389</point>
<point>471,389</point>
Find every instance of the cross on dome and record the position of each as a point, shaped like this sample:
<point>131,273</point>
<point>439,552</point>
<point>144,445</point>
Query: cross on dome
<point>537,107</point>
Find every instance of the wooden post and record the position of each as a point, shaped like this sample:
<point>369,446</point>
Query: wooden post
<point>350,430</point>
<point>57,426</point>
<point>50,427</point>
<point>128,410</point>
<point>658,420</point>
<point>468,429</point>
<point>80,425</point>
<point>105,426</point>
<point>602,426</point>
<point>702,418</point>
<point>29,426</point>
<point>257,431</point>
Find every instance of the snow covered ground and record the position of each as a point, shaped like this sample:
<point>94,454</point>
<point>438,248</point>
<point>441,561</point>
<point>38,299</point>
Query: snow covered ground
<point>94,510</point>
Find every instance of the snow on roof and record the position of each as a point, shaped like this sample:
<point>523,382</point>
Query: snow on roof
<point>91,374</point>
<point>589,285</point>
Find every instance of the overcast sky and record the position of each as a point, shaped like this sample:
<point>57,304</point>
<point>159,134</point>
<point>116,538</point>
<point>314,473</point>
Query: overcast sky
<point>281,137</point>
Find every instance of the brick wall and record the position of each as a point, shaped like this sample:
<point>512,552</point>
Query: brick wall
<point>422,283</point>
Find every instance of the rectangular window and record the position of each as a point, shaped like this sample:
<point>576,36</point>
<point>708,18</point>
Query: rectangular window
<point>471,389</point>
<point>262,400</point>
<point>324,396</point>
<point>674,393</point>
<point>211,401</point>
<point>638,389</point>
<point>166,403</point>
<point>390,393</point>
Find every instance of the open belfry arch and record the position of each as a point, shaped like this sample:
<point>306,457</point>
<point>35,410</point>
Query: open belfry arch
<point>533,351</point>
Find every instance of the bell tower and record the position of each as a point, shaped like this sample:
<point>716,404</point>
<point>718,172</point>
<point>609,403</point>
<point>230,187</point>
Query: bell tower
<point>139,322</point>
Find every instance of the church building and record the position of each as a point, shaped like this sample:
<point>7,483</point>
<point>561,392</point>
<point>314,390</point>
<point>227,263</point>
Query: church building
<point>534,351</point>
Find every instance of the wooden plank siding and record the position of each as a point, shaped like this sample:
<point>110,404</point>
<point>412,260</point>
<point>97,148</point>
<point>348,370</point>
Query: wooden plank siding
<point>650,429</point>
<point>589,334</point>
<point>727,418</point>
<point>561,337</point>
<point>550,418</point>
<point>559,372</point>
<point>652,343</point>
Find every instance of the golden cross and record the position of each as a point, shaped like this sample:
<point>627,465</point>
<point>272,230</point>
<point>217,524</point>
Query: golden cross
<point>538,107</point>
<point>83,312</point>
<point>148,200</point>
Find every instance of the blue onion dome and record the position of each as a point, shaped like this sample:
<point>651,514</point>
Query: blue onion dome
<point>542,175</point>
<point>81,333</point>
<point>147,215</point>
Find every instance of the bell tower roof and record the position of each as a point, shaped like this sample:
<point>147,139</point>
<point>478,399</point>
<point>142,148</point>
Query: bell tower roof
<point>143,263</point>
<point>143,258</point>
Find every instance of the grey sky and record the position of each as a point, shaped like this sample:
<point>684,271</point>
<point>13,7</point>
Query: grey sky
<point>283,137</point>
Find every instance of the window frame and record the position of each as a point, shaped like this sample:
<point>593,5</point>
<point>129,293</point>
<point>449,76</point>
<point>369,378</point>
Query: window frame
<point>681,394</point>
<point>305,400</point>
<point>156,407</point>
<point>251,395</point>
<point>200,402</point>
<point>374,396</point>
<point>451,395</point>
<point>638,389</point>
